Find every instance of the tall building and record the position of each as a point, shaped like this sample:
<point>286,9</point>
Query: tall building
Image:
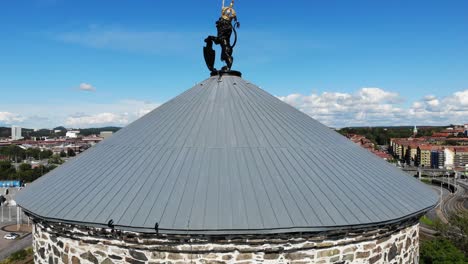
<point>16,133</point>
<point>461,157</point>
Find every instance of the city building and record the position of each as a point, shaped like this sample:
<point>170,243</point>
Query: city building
<point>460,159</point>
<point>449,155</point>
<point>226,173</point>
<point>424,156</point>
<point>72,134</point>
<point>16,133</point>
<point>437,158</point>
<point>106,134</point>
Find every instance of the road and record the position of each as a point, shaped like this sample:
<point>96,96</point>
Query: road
<point>7,247</point>
<point>451,202</point>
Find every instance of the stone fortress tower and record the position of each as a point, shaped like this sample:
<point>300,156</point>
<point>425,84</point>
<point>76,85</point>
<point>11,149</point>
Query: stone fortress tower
<point>226,173</point>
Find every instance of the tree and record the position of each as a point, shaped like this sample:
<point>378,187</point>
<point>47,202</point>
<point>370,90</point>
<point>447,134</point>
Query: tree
<point>441,251</point>
<point>408,156</point>
<point>46,154</point>
<point>25,167</point>
<point>457,230</point>
<point>71,152</point>
<point>33,153</point>
<point>55,159</point>
<point>7,171</point>
<point>13,152</point>
<point>63,154</point>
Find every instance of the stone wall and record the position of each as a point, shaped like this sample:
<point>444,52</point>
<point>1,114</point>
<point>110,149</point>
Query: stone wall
<point>70,244</point>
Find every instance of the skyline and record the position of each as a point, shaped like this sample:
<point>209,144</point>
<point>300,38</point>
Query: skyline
<point>93,64</point>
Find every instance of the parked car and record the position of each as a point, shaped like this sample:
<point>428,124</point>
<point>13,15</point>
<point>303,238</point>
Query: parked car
<point>11,236</point>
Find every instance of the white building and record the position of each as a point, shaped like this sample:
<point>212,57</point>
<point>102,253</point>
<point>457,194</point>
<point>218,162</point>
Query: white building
<point>16,133</point>
<point>105,134</point>
<point>449,155</point>
<point>72,134</point>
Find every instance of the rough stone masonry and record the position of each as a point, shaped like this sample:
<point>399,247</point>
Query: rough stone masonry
<point>58,243</point>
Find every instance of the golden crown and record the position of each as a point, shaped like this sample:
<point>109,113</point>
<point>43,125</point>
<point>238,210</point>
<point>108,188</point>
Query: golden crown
<point>228,12</point>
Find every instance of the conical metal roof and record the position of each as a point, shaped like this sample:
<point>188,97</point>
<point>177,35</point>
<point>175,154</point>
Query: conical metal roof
<point>226,157</point>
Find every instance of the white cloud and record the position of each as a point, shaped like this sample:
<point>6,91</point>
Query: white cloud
<point>120,114</point>
<point>77,114</point>
<point>86,87</point>
<point>375,106</point>
<point>155,42</point>
<point>10,118</point>
<point>102,119</point>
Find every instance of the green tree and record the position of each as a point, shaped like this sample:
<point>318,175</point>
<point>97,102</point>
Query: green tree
<point>55,159</point>
<point>457,230</point>
<point>441,251</point>
<point>71,152</point>
<point>7,171</point>
<point>63,154</point>
<point>408,156</point>
<point>25,167</point>
<point>46,154</point>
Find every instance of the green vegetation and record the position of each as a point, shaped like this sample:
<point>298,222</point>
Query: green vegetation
<point>441,251</point>
<point>55,159</point>
<point>451,246</point>
<point>22,256</point>
<point>382,135</point>
<point>456,231</point>
<point>14,152</point>
<point>426,181</point>
<point>25,172</point>
<point>425,220</point>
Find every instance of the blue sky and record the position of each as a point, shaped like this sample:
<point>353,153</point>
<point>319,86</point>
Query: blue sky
<point>343,62</point>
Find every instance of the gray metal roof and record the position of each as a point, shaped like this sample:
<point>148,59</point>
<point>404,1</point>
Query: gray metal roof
<point>226,157</point>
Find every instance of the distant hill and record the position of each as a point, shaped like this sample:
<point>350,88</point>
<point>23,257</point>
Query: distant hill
<point>91,131</point>
<point>382,135</point>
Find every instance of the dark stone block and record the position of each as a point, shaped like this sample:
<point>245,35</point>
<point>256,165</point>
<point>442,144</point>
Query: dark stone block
<point>138,255</point>
<point>60,244</point>
<point>375,258</point>
<point>107,261</point>
<point>42,252</point>
<point>392,253</point>
<point>115,257</point>
<point>56,251</point>
<point>133,261</point>
<point>90,257</point>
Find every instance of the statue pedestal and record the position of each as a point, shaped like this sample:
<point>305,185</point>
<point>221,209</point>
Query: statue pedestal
<point>227,73</point>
